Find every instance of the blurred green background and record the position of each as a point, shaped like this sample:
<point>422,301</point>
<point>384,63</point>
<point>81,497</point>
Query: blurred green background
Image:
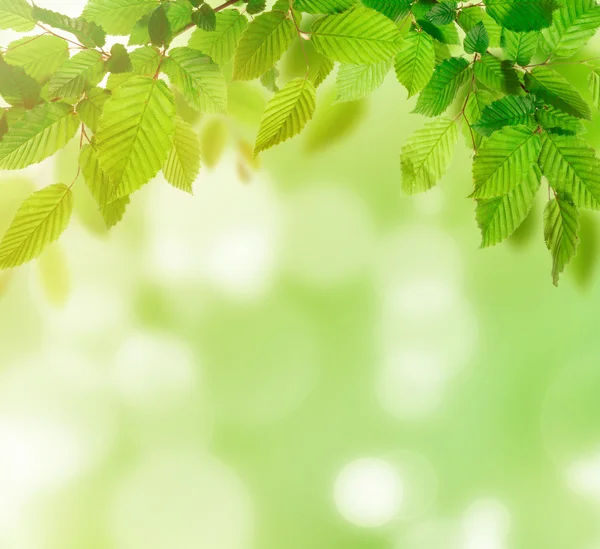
<point>298,357</point>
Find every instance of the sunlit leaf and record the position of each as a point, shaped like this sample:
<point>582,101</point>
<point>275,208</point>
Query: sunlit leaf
<point>40,220</point>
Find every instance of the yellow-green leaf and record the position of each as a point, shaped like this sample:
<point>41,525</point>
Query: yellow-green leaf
<point>183,163</point>
<point>40,220</point>
<point>286,114</point>
<point>135,132</point>
<point>39,134</point>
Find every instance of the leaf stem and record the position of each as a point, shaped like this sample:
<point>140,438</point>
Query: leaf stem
<point>299,32</point>
<point>48,31</point>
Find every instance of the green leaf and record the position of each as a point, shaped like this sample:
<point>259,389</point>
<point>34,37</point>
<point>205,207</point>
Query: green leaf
<point>504,160</point>
<point>199,79</point>
<point>145,61</point>
<point>3,124</point>
<point>554,89</point>
<point>159,28</point>
<point>556,121</point>
<point>441,90</point>
<point>179,14</point>
<point>319,68</point>
<point>474,108</point>
<point>415,62</point>
<point>135,133</point>
<point>205,18</point>
<point>38,57</point>
<point>140,35</point>
<point>358,36</point>
<point>119,60</point>
<point>520,47</point>
<point>263,43</point>
<point>594,86</point>
<point>89,34</point>
<point>394,9</point>
<point>117,16</point>
<point>76,74</point>
<point>92,106</point>
<point>16,87</point>
<point>477,39</point>
<point>427,155</point>
<point>443,13</point>
<point>509,111</point>
<point>113,213</point>
<point>286,114</point>
<point>442,51</point>
<point>183,163</point>
<point>447,34</point>
<point>256,6</point>
<point>40,220</point>
<point>356,81</point>
<point>521,15</point>
<point>500,217</point>
<point>269,80</point>
<point>471,16</point>
<point>16,15</point>
<point>101,186</point>
<point>572,167</point>
<point>573,25</point>
<point>561,228</point>
<point>496,74</point>
<point>220,44</point>
<point>39,134</point>
<point>323,6</point>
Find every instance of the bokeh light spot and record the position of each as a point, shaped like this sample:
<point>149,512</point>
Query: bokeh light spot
<point>368,492</point>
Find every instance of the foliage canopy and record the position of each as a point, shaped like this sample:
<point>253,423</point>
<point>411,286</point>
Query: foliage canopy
<point>495,64</point>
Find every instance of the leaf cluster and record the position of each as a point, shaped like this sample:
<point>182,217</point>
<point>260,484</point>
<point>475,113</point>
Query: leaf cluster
<point>493,65</point>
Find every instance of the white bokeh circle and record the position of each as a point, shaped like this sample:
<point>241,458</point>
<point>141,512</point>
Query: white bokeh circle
<point>368,492</point>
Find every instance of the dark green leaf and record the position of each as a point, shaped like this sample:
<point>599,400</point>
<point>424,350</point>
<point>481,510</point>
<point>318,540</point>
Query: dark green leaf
<point>394,9</point>
<point>256,6</point>
<point>119,60</point>
<point>443,13</point>
<point>554,89</point>
<point>522,15</point>
<point>16,87</point>
<point>447,34</point>
<point>470,16</point>
<point>508,111</point>
<point>557,121</point>
<point>159,28</point>
<point>497,74</point>
<point>477,39</point>
<point>205,18</point>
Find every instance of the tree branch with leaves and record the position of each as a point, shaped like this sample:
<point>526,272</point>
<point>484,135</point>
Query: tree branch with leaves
<point>497,62</point>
